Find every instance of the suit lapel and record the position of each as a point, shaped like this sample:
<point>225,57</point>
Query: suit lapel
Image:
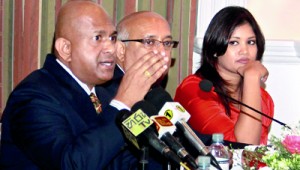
<point>75,96</point>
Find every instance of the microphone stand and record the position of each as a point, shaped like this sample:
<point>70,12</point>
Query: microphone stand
<point>143,163</point>
<point>197,143</point>
<point>279,122</point>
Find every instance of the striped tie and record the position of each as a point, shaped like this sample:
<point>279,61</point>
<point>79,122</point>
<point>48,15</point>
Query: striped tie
<point>96,103</point>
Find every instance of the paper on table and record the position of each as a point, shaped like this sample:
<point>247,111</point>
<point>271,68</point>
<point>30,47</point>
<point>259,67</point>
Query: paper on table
<point>237,159</point>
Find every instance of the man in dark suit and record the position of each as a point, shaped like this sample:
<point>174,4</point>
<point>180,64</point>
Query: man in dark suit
<point>50,122</point>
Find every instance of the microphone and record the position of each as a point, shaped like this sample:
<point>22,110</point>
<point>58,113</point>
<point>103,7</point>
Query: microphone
<point>207,86</point>
<point>136,141</point>
<point>137,129</point>
<point>165,130</point>
<point>178,116</point>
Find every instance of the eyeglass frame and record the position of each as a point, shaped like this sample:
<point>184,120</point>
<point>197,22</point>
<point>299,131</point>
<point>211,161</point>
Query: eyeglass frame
<point>175,43</point>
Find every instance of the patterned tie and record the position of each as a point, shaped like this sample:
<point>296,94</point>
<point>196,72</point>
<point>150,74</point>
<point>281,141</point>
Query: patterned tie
<point>96,103</point>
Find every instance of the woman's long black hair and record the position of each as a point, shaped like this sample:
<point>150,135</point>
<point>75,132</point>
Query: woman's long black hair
<point>215,44</point>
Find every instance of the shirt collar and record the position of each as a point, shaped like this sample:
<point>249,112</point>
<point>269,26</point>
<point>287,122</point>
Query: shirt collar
<point>120,68</point>
<point>83,85</point>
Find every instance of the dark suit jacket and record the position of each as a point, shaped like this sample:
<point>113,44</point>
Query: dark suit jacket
<point>156,161</point>
<point>50,123</point>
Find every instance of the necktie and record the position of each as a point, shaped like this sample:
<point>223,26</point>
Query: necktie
<point>96,103</point>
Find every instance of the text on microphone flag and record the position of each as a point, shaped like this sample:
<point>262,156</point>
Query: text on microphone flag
<point>137,122</point>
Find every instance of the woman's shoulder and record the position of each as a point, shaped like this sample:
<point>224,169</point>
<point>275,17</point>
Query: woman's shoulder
<point>190,80</point>
<point>189,88</point>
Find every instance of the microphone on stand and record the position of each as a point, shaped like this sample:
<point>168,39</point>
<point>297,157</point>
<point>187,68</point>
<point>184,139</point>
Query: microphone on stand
<point>207,86</point>
<point>178,116</point>
<point>165,129</point>
<point>136,126</point>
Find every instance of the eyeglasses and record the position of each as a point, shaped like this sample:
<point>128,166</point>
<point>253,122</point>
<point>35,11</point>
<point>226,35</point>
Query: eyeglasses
<point>150,43</point>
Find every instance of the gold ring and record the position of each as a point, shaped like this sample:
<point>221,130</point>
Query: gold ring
<point>147,74</point>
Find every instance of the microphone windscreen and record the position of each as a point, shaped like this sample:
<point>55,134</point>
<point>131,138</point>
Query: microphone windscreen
<point>158,97</point>
<point>122,115</point>
<point>206,85</point>
<point>146,107</point>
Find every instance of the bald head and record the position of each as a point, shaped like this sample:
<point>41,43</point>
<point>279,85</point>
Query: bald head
<point>71,15</point>
<point>138,26</point>
<point>137,21</point>
<point>85,41</point>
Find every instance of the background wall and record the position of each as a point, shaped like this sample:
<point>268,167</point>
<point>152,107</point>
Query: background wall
<point>279,21</point>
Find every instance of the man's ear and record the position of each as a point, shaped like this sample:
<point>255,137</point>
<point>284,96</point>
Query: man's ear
<point>120,46</point>
<point>63,48</point>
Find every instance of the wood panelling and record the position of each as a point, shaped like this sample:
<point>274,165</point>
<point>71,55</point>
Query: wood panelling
<point>6,51</point>
<point>47,28</point>
<point>1,50</point>
<point>26,34</point>
<point>192,25</point>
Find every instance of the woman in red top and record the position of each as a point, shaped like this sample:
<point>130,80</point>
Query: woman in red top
<point>233,47</point>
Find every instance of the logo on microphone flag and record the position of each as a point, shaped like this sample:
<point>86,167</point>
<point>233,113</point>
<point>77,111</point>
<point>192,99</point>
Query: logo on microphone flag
<point>169,114</point>
<point>137,122</point>
<point>180,108</point>
<point>174,112</point>
<point>163,125</point>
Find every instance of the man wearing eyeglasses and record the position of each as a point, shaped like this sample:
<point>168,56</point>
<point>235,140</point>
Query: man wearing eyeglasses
<point>141,34</point>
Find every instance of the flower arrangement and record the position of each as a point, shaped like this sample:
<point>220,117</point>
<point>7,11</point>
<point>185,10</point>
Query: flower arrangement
<point>283,154</point>
<point>286,153</point>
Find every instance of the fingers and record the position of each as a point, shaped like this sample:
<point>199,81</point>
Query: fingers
<point>147,74</point>
<point>264,77</point>
<point>138,79</point>
<point>254,69</point>
<point>151,66</point>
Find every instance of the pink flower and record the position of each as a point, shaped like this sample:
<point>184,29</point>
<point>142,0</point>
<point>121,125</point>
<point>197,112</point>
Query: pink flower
<point>292,143</point>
